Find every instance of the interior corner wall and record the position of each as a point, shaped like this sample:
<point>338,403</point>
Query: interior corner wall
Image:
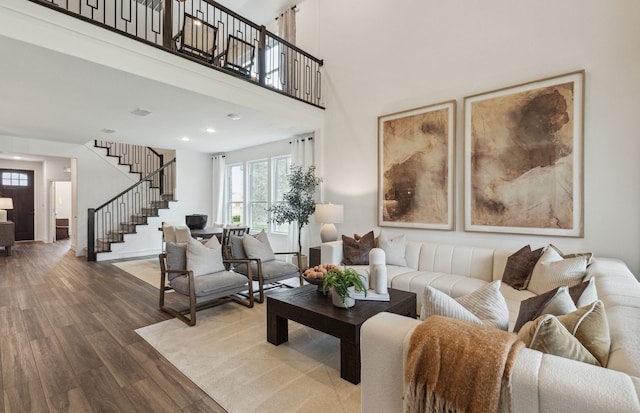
<point>385,57</point>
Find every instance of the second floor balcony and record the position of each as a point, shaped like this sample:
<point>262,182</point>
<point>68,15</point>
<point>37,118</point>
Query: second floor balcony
<point>210,34</point>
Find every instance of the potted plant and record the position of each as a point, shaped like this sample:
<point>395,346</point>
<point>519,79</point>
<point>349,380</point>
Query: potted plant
<point>343,284</point>
<point>298,204</point>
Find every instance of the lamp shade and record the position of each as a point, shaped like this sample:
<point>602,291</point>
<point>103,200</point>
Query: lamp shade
<point>329,213</point>
<point>6,203</point>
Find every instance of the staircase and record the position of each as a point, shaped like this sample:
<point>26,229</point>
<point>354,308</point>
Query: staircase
<point>111,222</point>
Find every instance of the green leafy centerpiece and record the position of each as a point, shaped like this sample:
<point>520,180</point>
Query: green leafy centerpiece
<point>343,284</point>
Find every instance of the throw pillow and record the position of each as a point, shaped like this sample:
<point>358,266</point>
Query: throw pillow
<point>394,249</point>
<point>582,335</point>
<point>519,267</point>
<point>486,306</point>
<point>559,301</point>
<point>555,302</point>
<point>356,252</point>
<point>202,259</point>
<point>236,247</point>
<point>552,271</point>
<point>589,255</point>
<point>257,246</point>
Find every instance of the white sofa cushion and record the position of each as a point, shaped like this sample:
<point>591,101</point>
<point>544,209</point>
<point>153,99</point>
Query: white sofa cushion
<point>394,248</point>
<point>553,271</point>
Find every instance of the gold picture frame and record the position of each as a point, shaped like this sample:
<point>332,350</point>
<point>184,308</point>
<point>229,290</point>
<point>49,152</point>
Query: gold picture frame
<point>523,158</point>
<point>416,171</point>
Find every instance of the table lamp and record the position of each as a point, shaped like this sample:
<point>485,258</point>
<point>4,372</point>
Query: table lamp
<point>329,214</point>
<point>5,203</point>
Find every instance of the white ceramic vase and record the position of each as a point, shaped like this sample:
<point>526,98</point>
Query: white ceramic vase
<point>349,301</point>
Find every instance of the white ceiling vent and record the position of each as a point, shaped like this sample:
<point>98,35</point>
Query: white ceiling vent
<point>141,112</point>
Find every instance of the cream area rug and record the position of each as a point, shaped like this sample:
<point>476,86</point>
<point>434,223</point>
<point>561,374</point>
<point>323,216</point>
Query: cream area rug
<point>227,355</point>
<point>147,270</point>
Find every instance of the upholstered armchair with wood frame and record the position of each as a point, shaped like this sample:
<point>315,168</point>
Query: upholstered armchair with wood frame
<point>197,38</point>
<point>197,271</point>
<point>259,261</point>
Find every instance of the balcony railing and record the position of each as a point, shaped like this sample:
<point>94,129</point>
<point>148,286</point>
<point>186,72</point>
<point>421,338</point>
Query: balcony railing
<point>210,34</point>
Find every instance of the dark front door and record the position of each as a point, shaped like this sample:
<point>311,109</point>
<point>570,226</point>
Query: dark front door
<point>18,185</point>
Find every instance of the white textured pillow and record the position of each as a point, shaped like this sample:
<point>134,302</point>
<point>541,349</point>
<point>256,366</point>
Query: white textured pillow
<point>203,260</point>
<point>258,247</point>
<point>394,249</point>
<point>552,271</point>
<point>486,306</point>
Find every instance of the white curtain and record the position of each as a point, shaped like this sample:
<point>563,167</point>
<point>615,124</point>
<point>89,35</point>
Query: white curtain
<point>302,154</point>
<point>218,190</point>
<point>287,25</point>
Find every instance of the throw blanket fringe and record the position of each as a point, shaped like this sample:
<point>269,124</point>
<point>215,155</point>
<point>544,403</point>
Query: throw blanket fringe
<point>454,366</point>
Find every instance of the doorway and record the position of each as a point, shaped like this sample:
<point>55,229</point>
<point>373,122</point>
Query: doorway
<point>18,184</point>
<point>61,202</point>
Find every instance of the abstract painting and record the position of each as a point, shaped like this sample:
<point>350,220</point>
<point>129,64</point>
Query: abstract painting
<point>415,167</point>
<point>523,158</point>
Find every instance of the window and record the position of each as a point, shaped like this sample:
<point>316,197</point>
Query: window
<point>281,167</point>
<point>258,195</point>
<point>235,194</point>
<point>14,179</point>
<point>252,187</point>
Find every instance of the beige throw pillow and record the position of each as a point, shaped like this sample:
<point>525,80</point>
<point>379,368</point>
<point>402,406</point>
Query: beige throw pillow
<point>582,335</point>
<point>552,271</point>
<point>202,259</point>
<point>485,306</point>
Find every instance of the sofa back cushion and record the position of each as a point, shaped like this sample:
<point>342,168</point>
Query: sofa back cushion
<point>460,260</point>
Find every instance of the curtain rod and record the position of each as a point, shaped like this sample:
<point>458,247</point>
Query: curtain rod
<point>292,8</point>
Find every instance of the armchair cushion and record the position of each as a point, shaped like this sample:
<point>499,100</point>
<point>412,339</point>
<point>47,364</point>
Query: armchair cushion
<point>271,270</point>
<point>216,283</point>
<point>204,259</point>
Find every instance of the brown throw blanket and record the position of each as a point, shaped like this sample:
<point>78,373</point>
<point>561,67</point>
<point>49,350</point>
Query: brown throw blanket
<point>456,366</point>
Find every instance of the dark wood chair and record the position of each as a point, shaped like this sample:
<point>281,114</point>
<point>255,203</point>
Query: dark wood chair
<point>264,272</point>
<point>197,38</point>
<point>238,57</point>
<point>203,291</point>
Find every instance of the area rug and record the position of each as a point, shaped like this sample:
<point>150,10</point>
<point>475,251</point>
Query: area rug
<point>148,269</point>
<point>226,354</point>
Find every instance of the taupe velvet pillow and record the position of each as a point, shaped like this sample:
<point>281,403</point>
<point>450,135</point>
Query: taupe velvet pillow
<point>519,267</point>
<point>582,335</point>
<point>356,252</point>
<point>532,308</point>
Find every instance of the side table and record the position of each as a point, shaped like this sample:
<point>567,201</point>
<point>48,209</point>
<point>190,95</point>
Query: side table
<point>314,256</point>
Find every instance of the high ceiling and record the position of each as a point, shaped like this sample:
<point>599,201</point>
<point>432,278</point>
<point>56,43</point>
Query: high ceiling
<point>49,95</point>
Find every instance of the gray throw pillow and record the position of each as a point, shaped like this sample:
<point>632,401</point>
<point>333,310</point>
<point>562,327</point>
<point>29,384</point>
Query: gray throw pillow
<point>258,247</point>
<point>203,260</point>
<point>176,256</point>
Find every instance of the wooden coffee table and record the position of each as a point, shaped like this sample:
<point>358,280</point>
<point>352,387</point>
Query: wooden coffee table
<point>305,305</point>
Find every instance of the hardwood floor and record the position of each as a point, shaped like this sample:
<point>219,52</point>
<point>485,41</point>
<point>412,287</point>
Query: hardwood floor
<point>68,342</point>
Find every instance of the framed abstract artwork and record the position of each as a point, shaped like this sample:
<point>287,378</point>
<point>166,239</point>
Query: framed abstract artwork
<point>415,167</point>
<point>523,158</point>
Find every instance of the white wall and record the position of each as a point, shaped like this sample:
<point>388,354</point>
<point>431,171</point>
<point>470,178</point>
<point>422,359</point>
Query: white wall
<point>382,57</point>
<point>98,181</point>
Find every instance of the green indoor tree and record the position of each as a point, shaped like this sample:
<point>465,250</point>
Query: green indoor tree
<point>298,204</point>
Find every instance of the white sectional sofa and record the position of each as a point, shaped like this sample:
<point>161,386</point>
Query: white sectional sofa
<point>540,382</point>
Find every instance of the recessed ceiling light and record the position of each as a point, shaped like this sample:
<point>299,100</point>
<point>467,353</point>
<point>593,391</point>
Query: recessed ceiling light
<point>210,130</point>
<point>141,112</point>
<point>185,139</point>
<point>233,116</point>
<point>17,157</point>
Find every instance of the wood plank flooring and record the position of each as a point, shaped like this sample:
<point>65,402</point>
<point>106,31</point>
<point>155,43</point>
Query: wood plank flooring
<point>68,344</point>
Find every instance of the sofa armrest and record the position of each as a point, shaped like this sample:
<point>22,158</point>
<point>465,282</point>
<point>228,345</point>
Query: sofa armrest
<point>382,342</point>
<point>547,383</point>
<point>331,253</point>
